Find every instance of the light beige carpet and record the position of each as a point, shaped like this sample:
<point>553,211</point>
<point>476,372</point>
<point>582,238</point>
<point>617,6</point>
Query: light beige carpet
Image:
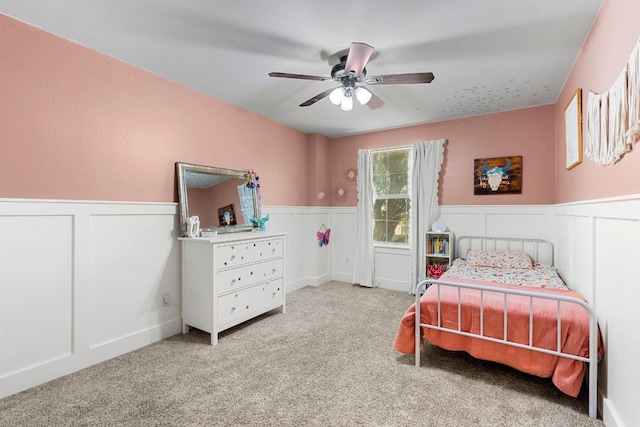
<point>329,361</point>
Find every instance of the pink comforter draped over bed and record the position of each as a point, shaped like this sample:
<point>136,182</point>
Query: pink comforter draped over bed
<point>567,374</point>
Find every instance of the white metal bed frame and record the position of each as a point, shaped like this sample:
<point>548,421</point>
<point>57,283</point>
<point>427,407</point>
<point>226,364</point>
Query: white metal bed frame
<point>533,247</point>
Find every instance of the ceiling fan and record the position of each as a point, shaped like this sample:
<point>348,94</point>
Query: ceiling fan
<point>351,71</point>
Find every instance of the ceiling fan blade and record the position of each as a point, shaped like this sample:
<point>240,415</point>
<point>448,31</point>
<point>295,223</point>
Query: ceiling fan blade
<point>375,102</point>
<point>317,98</point>
<point>359,54</point>
<point>395,79</point>
<point>298,76</point>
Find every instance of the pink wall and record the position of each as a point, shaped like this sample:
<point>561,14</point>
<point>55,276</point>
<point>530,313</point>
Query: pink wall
<point>318,164</point>
<point>75,124</point>
<point>528,133</point>
<point>602,59</point>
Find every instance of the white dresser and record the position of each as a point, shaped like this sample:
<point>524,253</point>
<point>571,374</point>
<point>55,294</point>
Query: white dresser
<point>231,278</point>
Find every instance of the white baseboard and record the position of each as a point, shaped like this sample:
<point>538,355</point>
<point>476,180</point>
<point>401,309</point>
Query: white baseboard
<point>609,416</point>
<point>38,375</point>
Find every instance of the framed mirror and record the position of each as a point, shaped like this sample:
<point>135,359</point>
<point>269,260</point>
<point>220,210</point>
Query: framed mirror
<point>219,197</point>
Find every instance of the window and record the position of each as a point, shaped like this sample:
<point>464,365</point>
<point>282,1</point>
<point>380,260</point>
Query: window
<point>391,200</point>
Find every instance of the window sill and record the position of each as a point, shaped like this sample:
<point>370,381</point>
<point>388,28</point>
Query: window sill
<point>395,246</point>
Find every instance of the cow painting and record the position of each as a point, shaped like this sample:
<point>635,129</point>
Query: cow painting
<point>498,175</point>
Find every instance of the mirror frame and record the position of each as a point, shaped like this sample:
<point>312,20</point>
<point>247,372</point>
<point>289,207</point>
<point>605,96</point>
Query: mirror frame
<point>183,199</point>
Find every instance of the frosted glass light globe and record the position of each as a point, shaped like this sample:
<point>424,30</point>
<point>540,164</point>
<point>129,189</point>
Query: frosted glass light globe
<point>363,95</point>
<point>336,95</point>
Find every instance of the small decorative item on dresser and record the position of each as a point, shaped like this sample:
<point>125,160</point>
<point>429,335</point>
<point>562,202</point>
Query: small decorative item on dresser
<point>252,180</point>
<point>260,222</point>
<point>434,271</point>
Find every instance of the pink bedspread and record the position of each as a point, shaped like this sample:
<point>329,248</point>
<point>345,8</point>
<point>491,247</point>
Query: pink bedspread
<point>566,374</point>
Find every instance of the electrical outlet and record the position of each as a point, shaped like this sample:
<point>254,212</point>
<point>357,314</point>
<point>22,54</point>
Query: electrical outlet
<point>166,299</point>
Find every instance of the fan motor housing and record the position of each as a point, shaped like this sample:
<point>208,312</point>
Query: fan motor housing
<point>338,72</point>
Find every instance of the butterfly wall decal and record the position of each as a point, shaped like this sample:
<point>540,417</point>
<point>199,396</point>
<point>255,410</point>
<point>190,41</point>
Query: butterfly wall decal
<point>323,236</point>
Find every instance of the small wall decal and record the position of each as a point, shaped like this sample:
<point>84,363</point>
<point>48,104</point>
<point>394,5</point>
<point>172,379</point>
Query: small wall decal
<point>340,193</point>
<point>350,174</point>
<point>498,175</point>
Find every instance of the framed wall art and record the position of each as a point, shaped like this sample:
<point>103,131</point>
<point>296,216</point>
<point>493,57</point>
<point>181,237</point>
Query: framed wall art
<point>227,216</point>
<point>573,130</point>
<point>498,175</point>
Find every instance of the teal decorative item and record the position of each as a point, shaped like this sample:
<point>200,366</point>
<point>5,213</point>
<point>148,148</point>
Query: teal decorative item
<point>260,222</point>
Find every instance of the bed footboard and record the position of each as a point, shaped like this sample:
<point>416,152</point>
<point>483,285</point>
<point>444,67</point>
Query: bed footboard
<point>592,358</point>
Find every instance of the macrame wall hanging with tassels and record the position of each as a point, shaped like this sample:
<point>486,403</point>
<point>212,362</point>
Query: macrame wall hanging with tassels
<point>613,117</point>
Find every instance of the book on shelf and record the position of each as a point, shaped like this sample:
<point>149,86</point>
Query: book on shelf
<point>438,246</point>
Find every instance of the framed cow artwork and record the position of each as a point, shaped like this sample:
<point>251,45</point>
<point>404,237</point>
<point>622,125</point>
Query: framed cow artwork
<point>498,175</point>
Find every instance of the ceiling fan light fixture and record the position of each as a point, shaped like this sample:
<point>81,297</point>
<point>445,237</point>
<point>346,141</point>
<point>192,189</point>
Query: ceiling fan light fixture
<point>347,102</point>
<point>363,95</point>
<point>337,95</point>
<point>350,71</point>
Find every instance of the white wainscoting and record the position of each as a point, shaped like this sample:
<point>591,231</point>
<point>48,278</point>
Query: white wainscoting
<point>510,220</point>
<point>307,263</point>
<point>597,253</point>
<point>392,264</point>
<point>81,283</point>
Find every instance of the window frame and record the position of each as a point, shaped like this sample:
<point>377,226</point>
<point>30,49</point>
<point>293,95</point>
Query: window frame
<point>400,196</point>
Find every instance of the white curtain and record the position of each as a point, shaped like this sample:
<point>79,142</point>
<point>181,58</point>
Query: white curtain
<point>427,161</point>
<point>363,273</point>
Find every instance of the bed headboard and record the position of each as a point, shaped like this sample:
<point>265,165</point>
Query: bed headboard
<point>539,249</point>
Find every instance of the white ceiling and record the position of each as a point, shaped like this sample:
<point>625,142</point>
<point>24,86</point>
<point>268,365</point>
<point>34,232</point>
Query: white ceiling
<point>487,55</point>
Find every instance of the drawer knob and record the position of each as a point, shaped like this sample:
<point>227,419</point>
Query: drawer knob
<point>233,281</point>
<point>273,270</point>
<point>247,307</point>
<point>273,250</point>
<point>233,257</point>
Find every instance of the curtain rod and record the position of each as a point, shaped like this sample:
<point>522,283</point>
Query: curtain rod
<point>399,147</point>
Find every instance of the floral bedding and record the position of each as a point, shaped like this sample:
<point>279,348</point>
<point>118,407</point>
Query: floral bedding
<point>540,276</point>
<point>499,259</point>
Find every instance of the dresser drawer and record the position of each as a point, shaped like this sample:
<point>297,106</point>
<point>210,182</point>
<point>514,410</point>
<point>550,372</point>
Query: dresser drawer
<point>270,248</point>
<point>241,253</point>
<point>243,304</point>
<point>241,277</point>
